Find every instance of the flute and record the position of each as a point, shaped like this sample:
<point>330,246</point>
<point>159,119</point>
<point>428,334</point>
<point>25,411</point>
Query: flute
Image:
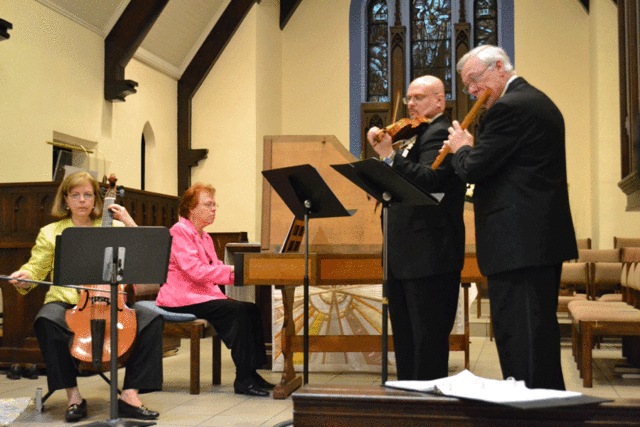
<point>465,124</point>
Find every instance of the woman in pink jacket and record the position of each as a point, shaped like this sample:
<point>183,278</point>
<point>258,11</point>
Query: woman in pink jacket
<point>192,287</point>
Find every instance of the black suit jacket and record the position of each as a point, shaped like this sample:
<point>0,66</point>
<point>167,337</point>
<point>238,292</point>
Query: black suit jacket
<point>427,240</point>
<point>521,200</point>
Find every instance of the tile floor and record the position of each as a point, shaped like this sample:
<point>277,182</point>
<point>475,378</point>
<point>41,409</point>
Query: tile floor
<point>219,406</point>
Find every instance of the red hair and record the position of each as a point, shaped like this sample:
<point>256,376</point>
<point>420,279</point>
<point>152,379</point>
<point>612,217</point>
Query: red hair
<point>191,197</point>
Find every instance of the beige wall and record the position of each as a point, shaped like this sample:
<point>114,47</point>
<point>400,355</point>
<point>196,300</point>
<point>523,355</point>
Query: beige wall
<point>574,59</point>
<point>268,89</point>
<point>315,72</point>
<point>224,121</point>
<point>609,217</point>
<point>562,71</point>
<point>294,81</point>
<point>51,80</point>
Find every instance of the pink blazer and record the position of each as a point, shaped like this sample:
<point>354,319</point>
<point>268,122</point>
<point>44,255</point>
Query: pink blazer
<point>194,269</point>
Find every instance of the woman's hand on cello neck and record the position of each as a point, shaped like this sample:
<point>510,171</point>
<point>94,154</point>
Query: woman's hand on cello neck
<point>122,215</point>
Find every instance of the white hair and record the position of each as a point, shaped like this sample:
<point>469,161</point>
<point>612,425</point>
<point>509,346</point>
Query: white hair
<point>487,54</point>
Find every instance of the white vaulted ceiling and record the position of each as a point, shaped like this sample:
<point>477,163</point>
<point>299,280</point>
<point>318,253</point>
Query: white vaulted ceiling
<point>172,41</point>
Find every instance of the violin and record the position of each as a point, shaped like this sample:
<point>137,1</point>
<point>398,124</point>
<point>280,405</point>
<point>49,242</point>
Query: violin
<point>90,320</point>
<point>403,129</point>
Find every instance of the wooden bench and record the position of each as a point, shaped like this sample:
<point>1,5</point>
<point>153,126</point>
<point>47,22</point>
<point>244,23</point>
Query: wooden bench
<point>177,326</point>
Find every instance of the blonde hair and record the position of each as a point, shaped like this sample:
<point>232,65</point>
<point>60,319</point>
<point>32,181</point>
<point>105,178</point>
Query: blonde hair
<point>60,209</point>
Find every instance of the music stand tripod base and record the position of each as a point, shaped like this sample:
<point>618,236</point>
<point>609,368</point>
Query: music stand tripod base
<point>113,255</point>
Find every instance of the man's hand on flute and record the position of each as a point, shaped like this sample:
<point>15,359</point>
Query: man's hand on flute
<point>458,137</point>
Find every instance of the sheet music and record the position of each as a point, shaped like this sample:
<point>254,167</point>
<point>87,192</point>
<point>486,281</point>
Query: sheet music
<point>469,386</point>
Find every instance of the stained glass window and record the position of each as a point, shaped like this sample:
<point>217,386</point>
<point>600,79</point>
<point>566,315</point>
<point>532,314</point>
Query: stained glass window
<point>485,14</point>
<point>431,40</point>
<point>377,47</point>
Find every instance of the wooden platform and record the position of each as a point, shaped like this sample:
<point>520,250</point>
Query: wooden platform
<point>365,406</point>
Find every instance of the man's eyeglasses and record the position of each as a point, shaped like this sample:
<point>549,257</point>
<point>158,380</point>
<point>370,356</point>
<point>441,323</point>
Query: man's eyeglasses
<point>77,196</point>
<point>415,98</point>
<point>474,80</point>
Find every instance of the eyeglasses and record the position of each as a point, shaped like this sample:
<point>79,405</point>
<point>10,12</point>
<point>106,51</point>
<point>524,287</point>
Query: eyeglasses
<point>86,196</point>
<point>415,98</point>
<point>474,80</point>
<point>210,205</point>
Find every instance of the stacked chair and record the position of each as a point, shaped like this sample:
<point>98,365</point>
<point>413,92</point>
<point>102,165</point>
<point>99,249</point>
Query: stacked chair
<point>601,315</point>
<point>574,279</point>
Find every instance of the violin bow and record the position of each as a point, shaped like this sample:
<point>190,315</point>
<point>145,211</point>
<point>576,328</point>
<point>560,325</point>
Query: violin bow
<point>471,115</point>
<point>394,115</point>
<point>396,107</point>
<point>39,282</point>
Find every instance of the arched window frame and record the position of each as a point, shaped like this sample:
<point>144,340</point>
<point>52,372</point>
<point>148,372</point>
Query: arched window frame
<point>358,49</point>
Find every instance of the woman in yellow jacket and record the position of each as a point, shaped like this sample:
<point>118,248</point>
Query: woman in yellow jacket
<point>79,203</point>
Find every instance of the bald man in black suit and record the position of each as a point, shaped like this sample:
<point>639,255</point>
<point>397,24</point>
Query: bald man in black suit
<point>425,243</point>
<point>524,229</point>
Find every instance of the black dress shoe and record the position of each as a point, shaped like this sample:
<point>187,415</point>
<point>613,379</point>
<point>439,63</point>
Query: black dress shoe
<point>249,387</point>
<point>140,412</point>
<point>30,373</point>
<point>262,383</point>
<point>15,372</point>
<point>76,412</point>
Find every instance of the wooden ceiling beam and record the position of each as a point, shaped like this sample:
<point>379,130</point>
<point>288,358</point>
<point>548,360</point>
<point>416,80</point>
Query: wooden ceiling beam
<point>122,42</point>
<point>287,8</point>
<point>193,76</point>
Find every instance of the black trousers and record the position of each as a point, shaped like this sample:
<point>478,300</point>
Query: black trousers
<point>524,306</point>
<point>422,313</point>
<point>143,367</point>
<point>239,325</point>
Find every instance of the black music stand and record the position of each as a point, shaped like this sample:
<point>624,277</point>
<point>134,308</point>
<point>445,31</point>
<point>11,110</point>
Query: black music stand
<point>112,255</point>
<point>388,187</point>
<point>307,195</point>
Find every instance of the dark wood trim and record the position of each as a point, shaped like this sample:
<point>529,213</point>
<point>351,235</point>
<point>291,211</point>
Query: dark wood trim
<point>585,3</point>
<point>122,42</point>
<point>625,164</point>
<point>287,8</point>
<point>195,73</point>
<point>5,26</point>
<point>628,39</point>
<point>364,406</point>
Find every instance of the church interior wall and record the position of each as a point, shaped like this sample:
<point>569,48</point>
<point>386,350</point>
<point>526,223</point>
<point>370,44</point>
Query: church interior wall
<point>51,80</point>
<point>294,81</point>
<point>561,70</point>
<point>224,122</point>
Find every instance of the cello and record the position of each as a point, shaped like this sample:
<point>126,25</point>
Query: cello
<point>90,319</point>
